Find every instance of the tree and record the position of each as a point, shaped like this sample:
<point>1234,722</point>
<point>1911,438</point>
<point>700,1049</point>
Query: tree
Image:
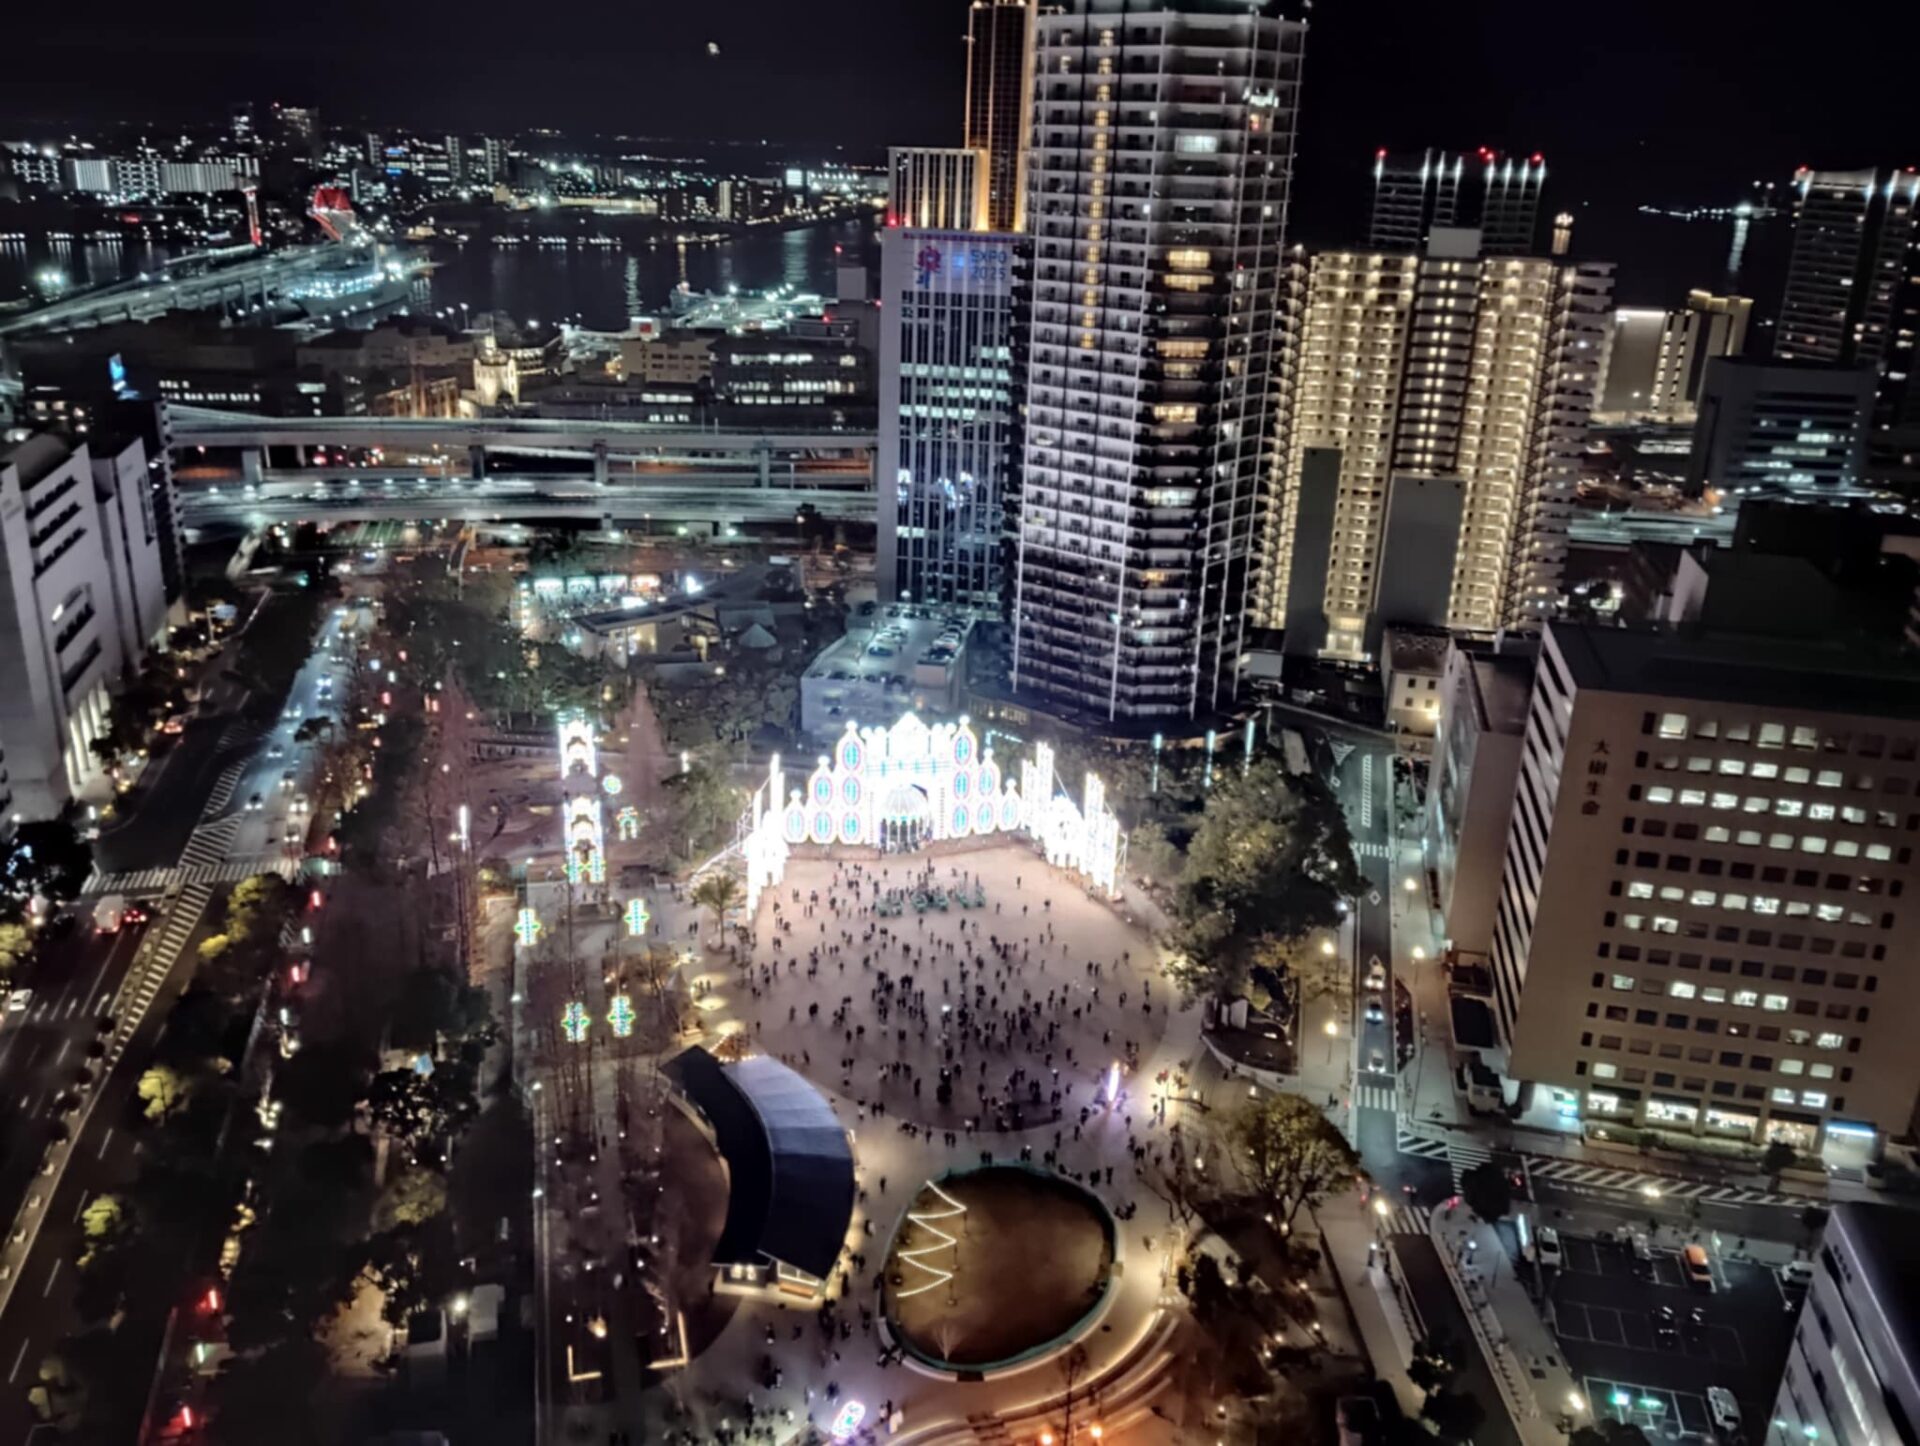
<point>321,1084</point>
<point>1152,856</point>
<point>1454,1415</point>
<point>1777,1157</point>
<point>16,947</point>
<point>46,857</point>
<point>719,893</point>
<point>1434,1364</point>
<point>259,907</point>
<point>1813,1219</point>
<point>706,808</point>
<point>1607,1431</point>
<point>165,1091</point>
<point>1272,859</point>
<point>411,1198</point>
<point>1289,1153</point>
<point>1487,1191</point>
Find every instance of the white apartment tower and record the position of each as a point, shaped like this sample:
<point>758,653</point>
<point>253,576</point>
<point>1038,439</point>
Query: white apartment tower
<point>1437,407</point>
<point>1162,151</point>
<point>1709,894</point>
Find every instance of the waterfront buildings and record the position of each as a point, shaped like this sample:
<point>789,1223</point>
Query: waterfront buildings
<point>1437,406</point>
<point>1415,192</point>
<point>1162,154</point>
<point>1798,428</point>
<point>999,99</point>
<point>81,598</point>
<point>1708,878</point>
<point>948,429</point>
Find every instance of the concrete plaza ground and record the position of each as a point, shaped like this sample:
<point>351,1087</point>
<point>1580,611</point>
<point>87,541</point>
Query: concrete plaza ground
<point>866,1041</point>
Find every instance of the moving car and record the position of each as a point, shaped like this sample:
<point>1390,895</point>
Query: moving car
<point>1375,1013</point>
<point>276,750</point>
<point>1377,1063</point>
<point>1696,1267</point>
<point>18,1000</point>
<point>1376,975</point>
<point>109,913</point>
<point>256,803</point>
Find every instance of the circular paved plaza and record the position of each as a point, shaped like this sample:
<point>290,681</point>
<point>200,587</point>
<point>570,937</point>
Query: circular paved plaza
<point>993,1264</point>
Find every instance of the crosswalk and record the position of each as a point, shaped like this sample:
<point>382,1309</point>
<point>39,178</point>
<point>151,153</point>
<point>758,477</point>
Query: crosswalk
<point>1407,1220</point>
<point>150,882</point>
<point>141,988</point>
<point>1376,1097</point>
<point>1574,1173</point>
<point>1372,850</point>
<point>1462,1154</point>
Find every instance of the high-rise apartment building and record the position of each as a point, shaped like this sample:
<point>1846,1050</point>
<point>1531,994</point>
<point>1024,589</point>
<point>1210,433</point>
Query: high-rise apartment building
<point>1853,297</point>
<point>1415,193</point>
<point>1709,886</point>
<point>999,106</point>
<point>1162,155</point>
<point>1656,360</point>
<point>1437,405</point>
<point>937,188</point>
<point>948,434</point>
<point>1797,428</point>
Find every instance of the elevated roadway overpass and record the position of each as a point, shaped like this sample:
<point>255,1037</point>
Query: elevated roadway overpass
<point>602,443</point>
<point>704,497</point>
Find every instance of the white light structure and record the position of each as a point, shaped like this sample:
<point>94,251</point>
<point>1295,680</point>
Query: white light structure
<point>915,784</point>
<point>924,1219</point>
<point>584,827</point>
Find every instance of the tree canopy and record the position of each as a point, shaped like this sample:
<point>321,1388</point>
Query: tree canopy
<point>1272,860</point>
<point>1289,1152</point>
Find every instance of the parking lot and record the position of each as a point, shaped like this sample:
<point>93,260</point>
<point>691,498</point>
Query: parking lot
<point>1648,1344</point>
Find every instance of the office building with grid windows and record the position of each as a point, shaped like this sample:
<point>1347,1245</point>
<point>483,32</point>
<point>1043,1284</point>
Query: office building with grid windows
<point>1707,902</point>
<point>948,432</point>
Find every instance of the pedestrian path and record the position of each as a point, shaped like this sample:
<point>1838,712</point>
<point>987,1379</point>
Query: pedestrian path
<point>1411,1142</point>
<point>224,871</point>
<point>1376,1097</point>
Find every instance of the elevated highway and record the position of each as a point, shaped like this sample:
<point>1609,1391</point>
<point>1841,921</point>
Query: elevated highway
<point>191,283</point>
<point>666,498</point>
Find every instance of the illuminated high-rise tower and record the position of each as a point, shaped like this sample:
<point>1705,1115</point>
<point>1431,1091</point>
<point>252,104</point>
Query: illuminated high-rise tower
<point>1162,155</point>
<point>999,88</point>
<point>1499,196</point>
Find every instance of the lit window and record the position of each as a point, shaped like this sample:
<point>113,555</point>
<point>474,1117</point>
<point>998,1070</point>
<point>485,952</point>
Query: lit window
<point>1603,1070</point>
<point>1821,812</point>
<point>1632,921</point>
<point>1880,853</point>
<point>1748,838</point>
<point>1659,795</point>
<point>1623,982</point>
<point>1820,1071</point>
<point>1693,797</point>
<point>1672,893</point>
<point>1829,913</point>
<point>1680,989</point>
<point>1717,833</point>
<point>1713,994</point>
<point>1663,925</point>
<point>1781,1097</point>
<point>1793,1066</point>
<point>1754,804</point>
<point>1789,808</point>
<point>1805,737</point>
<point>1798,775</point>
<point>1764,770</point>
<point>1673,725</point>
<point>1702,898</point>
<point>1830,778</point>
<point>1733,766</point>
<point>1846,848</point>
<point>1779,840</point>
<point>1726,800</point>
<point>1814,1099</point>
<point>1745,998</point>
<point>1830,1040</point>
<point>1736,902</point>
<point>1639,889</point>
<point>1775,1004</point>
<point>1772,735</point>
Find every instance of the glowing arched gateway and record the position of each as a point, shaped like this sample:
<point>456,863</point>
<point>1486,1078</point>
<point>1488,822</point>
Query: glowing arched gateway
<point>915,784</point>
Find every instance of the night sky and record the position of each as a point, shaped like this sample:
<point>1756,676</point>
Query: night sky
<point>1666,101</point>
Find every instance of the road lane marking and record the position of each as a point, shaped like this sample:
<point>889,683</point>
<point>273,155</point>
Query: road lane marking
<point>81,1208</point>
<point>52,1276</point>
<point>14,1374</point>
<point>65,1045</point>
<point>104,1142</point>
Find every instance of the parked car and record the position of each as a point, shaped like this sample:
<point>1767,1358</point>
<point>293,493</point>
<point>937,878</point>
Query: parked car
<point>1724,1410</point>
<point>1797,1272</point>
<point>1666,1334</point>
<point>1696,1267</point>
<point>1546,1247</point>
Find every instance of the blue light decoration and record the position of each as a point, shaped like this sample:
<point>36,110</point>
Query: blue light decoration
<point>620,1016</point>
<point>848,1420</point>
<point>526,928</point>
<point>611,784</point>
<point>637,917</point>
<point>573,1022</point>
